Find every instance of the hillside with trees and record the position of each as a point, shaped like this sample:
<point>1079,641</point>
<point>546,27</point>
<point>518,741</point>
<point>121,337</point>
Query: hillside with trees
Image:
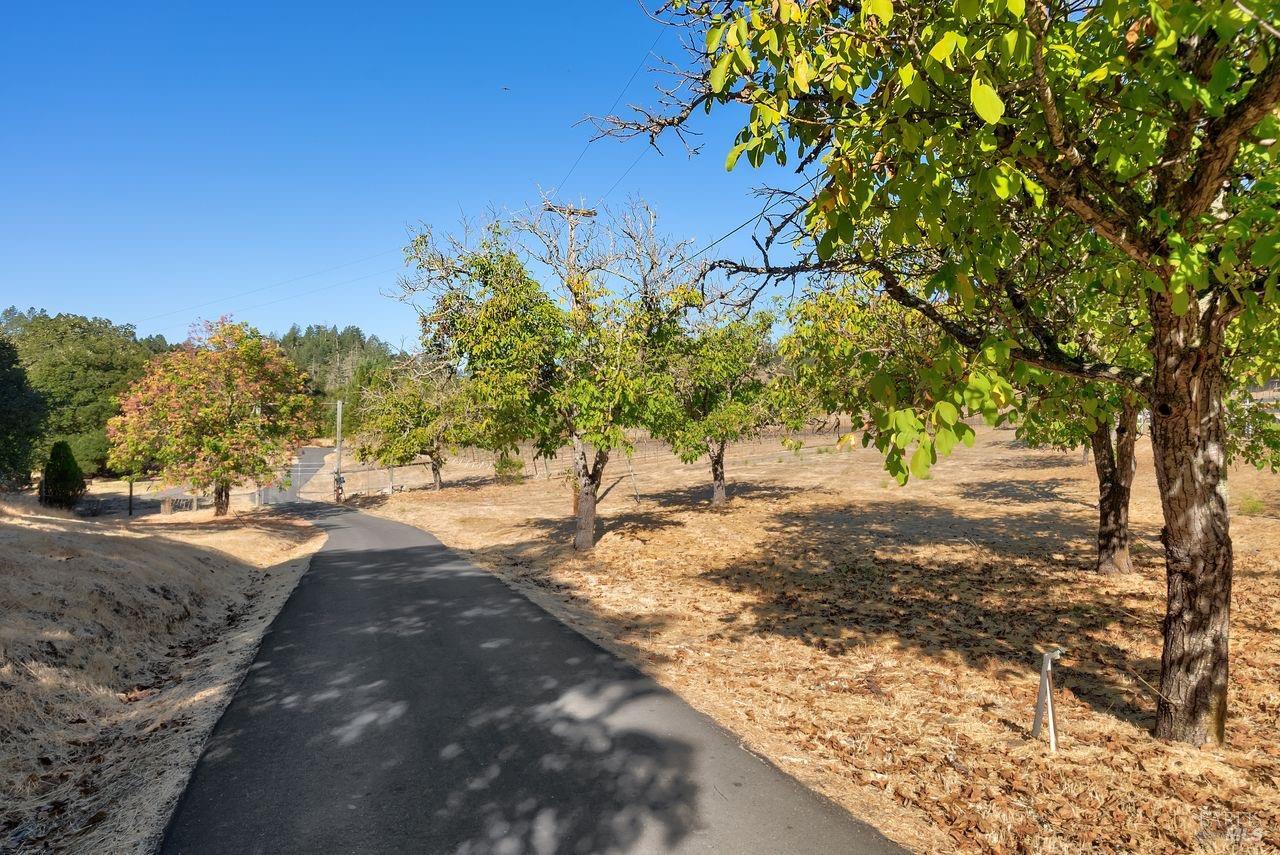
<point>78,366</point>
<point>340,364</point>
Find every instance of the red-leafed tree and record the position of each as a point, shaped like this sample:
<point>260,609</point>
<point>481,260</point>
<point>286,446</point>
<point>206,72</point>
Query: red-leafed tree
<point>227,408</point>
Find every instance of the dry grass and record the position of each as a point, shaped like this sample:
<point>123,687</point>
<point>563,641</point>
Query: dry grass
<point>120,644</point>
<point>110,496</point>
<point>880,643</point>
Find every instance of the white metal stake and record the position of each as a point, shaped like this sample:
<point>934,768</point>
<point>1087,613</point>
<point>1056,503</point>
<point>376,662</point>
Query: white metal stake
<point>1044,700</point>
<point>634,486</point>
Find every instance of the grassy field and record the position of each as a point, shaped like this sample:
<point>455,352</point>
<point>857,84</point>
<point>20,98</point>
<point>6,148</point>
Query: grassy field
<point>880,643</point>
<point>119,647</point>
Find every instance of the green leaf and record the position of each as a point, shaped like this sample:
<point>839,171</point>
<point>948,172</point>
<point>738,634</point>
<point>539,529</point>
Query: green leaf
<point>946,412</point>
<point>714,35</point>
<point>986,103</point>
<point>1224,77</point>
<point>1002,184</point>
<point>941,52</point>
<point>964,290</point>
<point>1009,44</point>
<point>975,394</point>
<point>827,244</point>
<point>922,459</point>
<point>1098,74</point>
<point>882,9</point>
<point>910,136</point>
<point>1266,250</point>
<point>997,352</point>
<point>801,72</point>
<point>945,440</point>
<point>1034,190</point>
<point>734,153</point>
<point>719,72</point>
<point>1258,60</point>
<point>1017,8</point>
<point>881,387</point>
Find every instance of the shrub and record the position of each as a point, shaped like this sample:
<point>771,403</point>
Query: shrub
<point>61,483</point>
<point>1252,505</point>
<point>508,469</point>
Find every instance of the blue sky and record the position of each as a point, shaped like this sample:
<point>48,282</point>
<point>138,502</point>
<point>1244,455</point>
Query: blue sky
<point>158,157</point>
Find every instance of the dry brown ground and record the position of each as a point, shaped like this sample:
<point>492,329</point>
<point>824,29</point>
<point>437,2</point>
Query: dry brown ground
<point>120,644</point>
<point>110,496</point>
<point>879,643</point>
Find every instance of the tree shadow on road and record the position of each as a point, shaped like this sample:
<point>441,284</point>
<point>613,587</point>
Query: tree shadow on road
<point>991,588</point>
<point>459,752</point>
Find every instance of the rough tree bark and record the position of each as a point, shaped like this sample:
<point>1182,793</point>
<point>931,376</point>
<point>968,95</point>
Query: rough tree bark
<point>436,481</point>
<point>1187,438</point>
<point>716,453</point>
<point>588,470</point>
<point>1114,462</point>
<point>221,499</point>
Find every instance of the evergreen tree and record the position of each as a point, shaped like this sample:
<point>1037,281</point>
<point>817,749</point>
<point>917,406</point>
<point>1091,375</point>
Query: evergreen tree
<point>61,482</point>
<point>340,364</point>
<point>21,417</point>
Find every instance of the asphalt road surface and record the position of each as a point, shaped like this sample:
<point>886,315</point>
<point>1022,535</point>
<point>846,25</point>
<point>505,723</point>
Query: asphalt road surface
<point>309,464</point>
<point>406,702</point>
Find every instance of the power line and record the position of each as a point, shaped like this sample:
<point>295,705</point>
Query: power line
<point>311,291</point>
<point>573,167</point>
<point>395,269</point>
<point>615,184</point>
<point>266,287</point>
<point>752,219</point>
<point>612,107</point>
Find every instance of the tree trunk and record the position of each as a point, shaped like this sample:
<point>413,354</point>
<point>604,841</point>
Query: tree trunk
<point>584,532</point>
<point>587,475</point>
<point>1187,438</point>
<point>717,475</point>
<point>436,480</point>
<point>1114,463</point>
<point>221,499</point>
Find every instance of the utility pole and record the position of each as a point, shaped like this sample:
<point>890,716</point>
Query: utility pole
<point>573,277</point>
<point>337,465</point>
<point>586,470</point>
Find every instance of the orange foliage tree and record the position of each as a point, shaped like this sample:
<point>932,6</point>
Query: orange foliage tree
<point>226,408</point>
